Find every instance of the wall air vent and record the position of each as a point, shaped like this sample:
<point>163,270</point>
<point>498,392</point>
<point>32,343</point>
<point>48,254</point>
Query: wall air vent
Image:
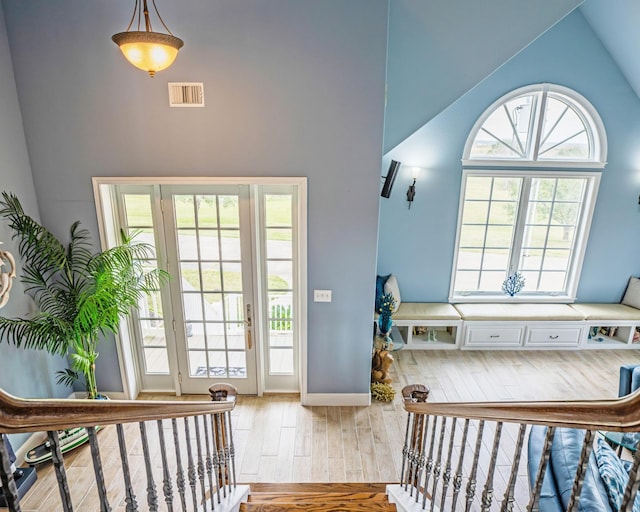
<point>186,94</point>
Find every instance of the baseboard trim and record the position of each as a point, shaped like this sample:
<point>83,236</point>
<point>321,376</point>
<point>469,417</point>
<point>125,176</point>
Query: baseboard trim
<point>337,399</point>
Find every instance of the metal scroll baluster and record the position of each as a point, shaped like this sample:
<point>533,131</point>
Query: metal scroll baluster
<point>471,484</point>
<point>220,441</point>
<point>130,496</point>
<point>179,471</point>
<point>631,490</point>
<point>200,461</point>
<point>414,452</point>
<point>509,498</point>
<point>209,464</point>
<point>422,459</point>
<point>232,450</point>
<point>6,477</point>
<point>487,493</point>
<point>152,495</point>
<point>97,469</point>
<point>61,474</point>
<point>437,469</point>
<point>214,455</point>
<point>191,469</point>
<point>446,479</point>
<point>429,467</point>
<point>542,469</point>
<point>587,447</point>
<point>410,451</point>
<point>167,489</point>
<point>457,479</point>
<point>405,453</point>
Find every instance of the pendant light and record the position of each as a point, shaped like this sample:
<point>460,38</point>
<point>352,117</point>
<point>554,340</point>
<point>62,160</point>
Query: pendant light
<point>148,50</point>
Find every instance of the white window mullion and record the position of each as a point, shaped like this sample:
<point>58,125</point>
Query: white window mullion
<point>518,231</point>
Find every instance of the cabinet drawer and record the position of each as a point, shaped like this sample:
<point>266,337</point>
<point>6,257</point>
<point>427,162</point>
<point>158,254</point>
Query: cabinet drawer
<point>503,336</point>
<point>554,336</point>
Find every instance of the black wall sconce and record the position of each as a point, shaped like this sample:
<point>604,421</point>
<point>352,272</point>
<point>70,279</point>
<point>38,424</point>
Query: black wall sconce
<point>411,192</point>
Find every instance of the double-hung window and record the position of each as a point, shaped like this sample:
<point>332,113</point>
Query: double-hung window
<point>528,191</point>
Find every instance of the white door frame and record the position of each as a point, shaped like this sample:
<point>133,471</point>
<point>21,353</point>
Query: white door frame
<point>128,369</point>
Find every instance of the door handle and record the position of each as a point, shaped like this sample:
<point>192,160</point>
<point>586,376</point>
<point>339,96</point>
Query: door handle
<point>249,324</point>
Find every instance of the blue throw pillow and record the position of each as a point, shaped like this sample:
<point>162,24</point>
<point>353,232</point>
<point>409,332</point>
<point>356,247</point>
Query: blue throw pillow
<point>614,475</point>
<point>380,282</point>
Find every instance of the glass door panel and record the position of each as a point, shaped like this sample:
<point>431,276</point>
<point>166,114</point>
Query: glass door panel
<point>212,267</point>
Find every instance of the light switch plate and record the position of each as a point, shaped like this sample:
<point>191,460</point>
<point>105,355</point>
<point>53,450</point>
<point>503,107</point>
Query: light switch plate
<point>321,295</point>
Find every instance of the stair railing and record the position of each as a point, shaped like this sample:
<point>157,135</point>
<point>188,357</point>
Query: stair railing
<point>195,467</point>
<point>452,450</point>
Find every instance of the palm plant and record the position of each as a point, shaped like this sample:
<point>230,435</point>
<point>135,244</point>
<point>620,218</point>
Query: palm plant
<point>80,295</point>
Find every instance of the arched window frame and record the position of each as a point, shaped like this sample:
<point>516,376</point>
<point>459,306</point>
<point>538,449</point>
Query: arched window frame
<point>531,168</point>
<point>593,124</point>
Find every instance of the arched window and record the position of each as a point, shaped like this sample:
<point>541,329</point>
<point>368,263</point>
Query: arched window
<point>528,192</point>
<point>544,123</point>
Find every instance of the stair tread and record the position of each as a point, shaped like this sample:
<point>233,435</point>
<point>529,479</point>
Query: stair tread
<point>347,506</point>
<point>318,487</point>
<point>298,497</point>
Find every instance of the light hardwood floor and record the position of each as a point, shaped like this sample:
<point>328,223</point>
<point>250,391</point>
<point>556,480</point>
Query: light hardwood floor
<point>278,440</point>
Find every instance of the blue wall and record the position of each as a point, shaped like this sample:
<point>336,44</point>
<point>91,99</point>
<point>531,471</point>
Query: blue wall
<point>292,88</point>
<point>418,244</point>
<point>439,50</point>
<point>23,373</point>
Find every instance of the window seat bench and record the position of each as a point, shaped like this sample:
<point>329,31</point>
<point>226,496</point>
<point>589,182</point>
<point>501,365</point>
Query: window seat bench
<point>430,325</point>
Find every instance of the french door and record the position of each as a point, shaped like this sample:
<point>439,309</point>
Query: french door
<point>231,311</point>
<point>208,237</point>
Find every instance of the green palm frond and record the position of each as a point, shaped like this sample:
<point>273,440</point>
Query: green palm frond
<point>80,295</point>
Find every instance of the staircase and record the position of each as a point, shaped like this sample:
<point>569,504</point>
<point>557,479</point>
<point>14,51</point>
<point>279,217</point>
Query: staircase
<point>315,497</point>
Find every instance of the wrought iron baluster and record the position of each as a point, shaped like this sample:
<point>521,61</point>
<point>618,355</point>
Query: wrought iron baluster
<point>581,470</point>
<point>457,479</point>
<point>61,474</point>
<point>214,456</point>
<point>509,498</point>
<point>130,496</point>
<point>209,464</point>
<point>422,459</point>
<point>167,489</point>
<point>97,469</point>
<point>534,502</point>
<point>180,482</point>
<point>446,479</point>
<point>415,452</point>
<point>487,493</point>
<point>232,450</point>
<point>6,477</point>
<point>152,494</point>
<point>220,442</point>
<point>191,470</point>
<point>200,463</point>
<point>405,453</point>
<point>471,484</point>
<point>437,469</point>
<point>429,466</point>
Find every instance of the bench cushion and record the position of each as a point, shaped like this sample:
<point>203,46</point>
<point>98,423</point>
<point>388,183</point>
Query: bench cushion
<point>607,311</point>
<point>520,311</point>
<point>426,311</point>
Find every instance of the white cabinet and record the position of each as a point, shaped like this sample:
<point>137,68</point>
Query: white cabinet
<point>522,334</point>
<point>554,336</point>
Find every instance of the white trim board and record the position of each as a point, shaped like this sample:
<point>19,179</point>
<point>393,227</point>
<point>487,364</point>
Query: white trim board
<point>337,399</point>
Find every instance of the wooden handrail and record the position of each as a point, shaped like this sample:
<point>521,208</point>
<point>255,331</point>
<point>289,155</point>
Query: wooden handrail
<point>19,415</point>
<point>621,414</point>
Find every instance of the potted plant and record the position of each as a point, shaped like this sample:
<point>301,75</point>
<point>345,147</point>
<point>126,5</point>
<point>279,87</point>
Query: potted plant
<point>79,295</point>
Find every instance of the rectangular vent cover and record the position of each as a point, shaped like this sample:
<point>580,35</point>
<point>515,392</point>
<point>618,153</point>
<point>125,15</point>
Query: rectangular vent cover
<point>186,94</point>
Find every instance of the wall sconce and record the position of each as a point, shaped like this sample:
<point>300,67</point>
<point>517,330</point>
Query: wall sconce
<point>411,192</point>
<point>6,277</point>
